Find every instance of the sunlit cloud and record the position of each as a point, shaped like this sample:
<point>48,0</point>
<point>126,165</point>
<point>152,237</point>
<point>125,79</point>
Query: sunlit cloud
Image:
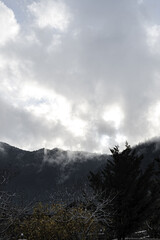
<point>8,24</point>
<point>120,139</point>
<point>53,14</point>
<point>154,119</point>
<point>77,75</point>
<point>153,38</point>
<point>113,114</point>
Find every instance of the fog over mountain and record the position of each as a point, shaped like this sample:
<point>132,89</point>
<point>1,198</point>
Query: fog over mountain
<point>38,173</point>
<point>79,75</point>
<point>43,172</point>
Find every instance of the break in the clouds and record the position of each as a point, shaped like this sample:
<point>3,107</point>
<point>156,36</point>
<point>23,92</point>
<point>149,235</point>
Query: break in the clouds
<point>80,75</point>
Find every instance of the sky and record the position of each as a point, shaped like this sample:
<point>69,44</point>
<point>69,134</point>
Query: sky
<point>79,74</point>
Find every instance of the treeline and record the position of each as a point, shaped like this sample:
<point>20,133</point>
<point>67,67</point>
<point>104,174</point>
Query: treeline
<point>121,200</point>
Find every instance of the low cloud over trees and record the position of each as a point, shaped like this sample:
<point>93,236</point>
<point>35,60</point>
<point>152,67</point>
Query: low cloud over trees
<point>121,199</point>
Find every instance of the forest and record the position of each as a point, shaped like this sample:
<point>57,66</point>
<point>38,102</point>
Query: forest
<point>120,200</point>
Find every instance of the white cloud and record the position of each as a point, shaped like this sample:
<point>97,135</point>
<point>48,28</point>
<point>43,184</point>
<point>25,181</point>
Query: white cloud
<point>50,13</point>
<point>154,119</point>
<point>153,38</point>
<point>8,25</point>
<point>51,107</point>
<point>114,114</point>
<point>120,139</point>
<point>86,85</point>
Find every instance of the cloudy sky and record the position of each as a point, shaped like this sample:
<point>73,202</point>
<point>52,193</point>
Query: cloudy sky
<point>79,74</point>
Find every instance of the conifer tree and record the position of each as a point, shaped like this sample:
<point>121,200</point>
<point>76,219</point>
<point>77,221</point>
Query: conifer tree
<point>153,223</point>
<point>133,200</point>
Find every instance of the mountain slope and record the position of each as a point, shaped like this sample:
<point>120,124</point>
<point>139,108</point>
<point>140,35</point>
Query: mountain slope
<point>41,172</point>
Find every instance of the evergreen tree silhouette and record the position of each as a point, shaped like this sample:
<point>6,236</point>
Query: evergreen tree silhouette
<point>133,189</point>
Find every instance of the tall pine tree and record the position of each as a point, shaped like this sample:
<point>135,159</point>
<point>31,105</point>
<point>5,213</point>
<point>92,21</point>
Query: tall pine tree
<point>133,200</point>
<point>153,223</point>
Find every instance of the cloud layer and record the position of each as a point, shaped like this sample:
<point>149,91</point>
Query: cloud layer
<point>80,75</point>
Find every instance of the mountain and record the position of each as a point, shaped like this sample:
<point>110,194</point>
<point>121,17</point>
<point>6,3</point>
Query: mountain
<point>150,150</point>
<point>39,173</point>
<point>42,172</point>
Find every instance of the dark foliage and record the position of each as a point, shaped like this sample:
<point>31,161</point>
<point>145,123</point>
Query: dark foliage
<point>153,223</point>
<point>135,193</point>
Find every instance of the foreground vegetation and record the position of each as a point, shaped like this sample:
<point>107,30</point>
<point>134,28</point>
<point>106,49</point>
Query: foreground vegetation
<point>124,199</point>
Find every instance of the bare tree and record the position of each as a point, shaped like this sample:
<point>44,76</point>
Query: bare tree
<point>5,202</point>
<point>86,209</point>
<point>10,211</point>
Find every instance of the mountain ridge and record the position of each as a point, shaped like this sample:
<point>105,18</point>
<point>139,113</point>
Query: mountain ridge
<point>46,170</point>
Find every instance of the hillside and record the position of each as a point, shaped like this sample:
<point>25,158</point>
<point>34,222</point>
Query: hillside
<point>44,171</point>
<point>41,172</point>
